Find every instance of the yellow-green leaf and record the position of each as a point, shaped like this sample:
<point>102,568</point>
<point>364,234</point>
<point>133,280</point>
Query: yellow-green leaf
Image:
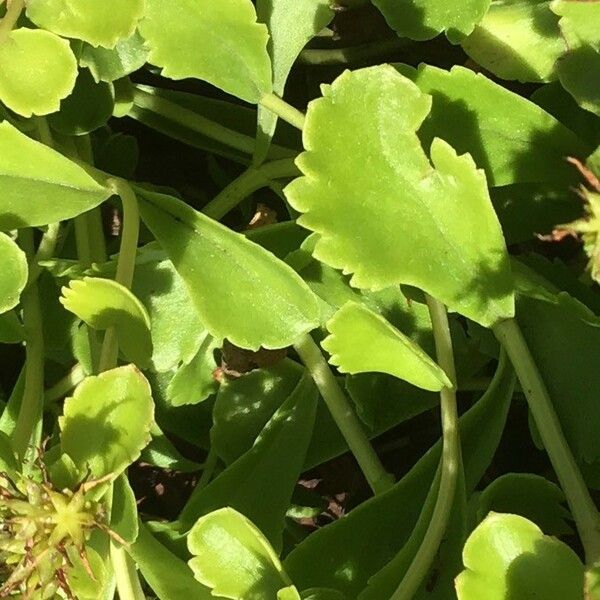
<point>13,273</point>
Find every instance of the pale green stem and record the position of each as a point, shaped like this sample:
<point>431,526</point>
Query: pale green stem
<point>13,11</point>
<point>128,582</point>
<point>44,252</point>
<point>580,502</point>
<point>68,383</point>
<point>31,411</point>
<point>248,182</point>
<point>343,415</point>
<point>125,264</point>
<point>450,460</point>
<point>351,54</point>
<point>284,110</point>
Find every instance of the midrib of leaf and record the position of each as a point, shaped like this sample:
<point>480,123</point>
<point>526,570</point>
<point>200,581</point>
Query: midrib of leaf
<point>54,183</point>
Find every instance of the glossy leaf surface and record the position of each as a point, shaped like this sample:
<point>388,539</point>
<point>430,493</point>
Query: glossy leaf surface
<point>109,64</point>
<point>96,428</point>
<point>235,58</point>
<point>38,71</point>
<point>98,23</point>
<point>40,186</point>
<point>424,19</point>
<point>240,291</point>
<point>387,183</point>
<point>13,273</point>
<point>232,557</point>
<point>104,303</point>
<point>292,24</point>
<point>507,555</point>
<point>277,457</point>
<point>362,341</point>
<point>474,114</point>
<point>518,39</point>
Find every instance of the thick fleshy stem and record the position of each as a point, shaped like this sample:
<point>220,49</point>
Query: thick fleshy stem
<point>583,509</point>
<point>344,416</point>
<point>13,11</point>
<point>284,110</point>
<point>451,463</point>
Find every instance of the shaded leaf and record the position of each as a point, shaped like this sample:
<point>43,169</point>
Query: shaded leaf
<point>530,496</point>
<point>11,329</point>
<point>98,23</point>
<point>517,39</point>
<point>344,555</point>
<point>362,341</point>
<point>424,19</point>
<point>38,71</point>
<point>124,514</point>
<point>129,55</point>
<point>104,303</point>
<point>96,428</point>
<point>13,274</point>
<point>241,291</point>
<point>161,453</point>
<point>462,259</point>
<point>235,56</point>
<point>507,555</point>
<point>40,186</point>
<point>232,557</point>
<point>274,462</point>
<point>474,114</point>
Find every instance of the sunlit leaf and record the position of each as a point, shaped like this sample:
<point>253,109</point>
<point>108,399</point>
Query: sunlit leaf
<point>129,55</point>
<point>124,514</point>
<point>234,56</point>
<point>98,23</point>
<point>517,39</point>
<point>385,199</point>
<point>277,457</point>
<point>424,19</point>
<point>13,273</point>
<point>38,71</point>
<point>530,496</point>
<point>292,24</point>
<point>241,291</point>
<point>507,555</point>
<point>345,554</point>
<point>194,382</point>
<point>474,114</point>
<point>362,341</point>
<point>40,186</point>
<point>104,303</point>
<point>232,557</point>
<point>96,428</point>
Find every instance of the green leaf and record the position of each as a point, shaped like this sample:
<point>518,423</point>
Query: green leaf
<point>462,259</point>
<point>11,329</point>
<point>40,186</point>
<point>176,329</point>
<point>13,273</point>
<point>124,514</point>
<point>235,56</point>
<point>194,382</point>
<point>292,24</point>
<point>168,576</point>
<point>104,303</point>
<point>474,114</point>
<point>424,19</point>
<point>96,428</point>
<point>82,586</point>
<point>38,71</point>
<point>362,341</point>
<point>129,55</point>
<point>232,557</point>
<point>88,108</point>
<point>161,453</point>
<point>509,556</point>
<point>275,460</point>
<point>322,594</point>
<point>98,23</point>
<point>345,554</point>
<point>8,460</point>
<point>241,291</point>
<point>530,496</point>
<point>518,39</point>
